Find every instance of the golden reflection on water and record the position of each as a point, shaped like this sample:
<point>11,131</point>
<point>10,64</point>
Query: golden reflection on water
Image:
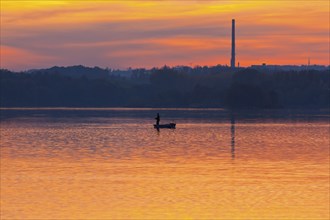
<point>122,170</point>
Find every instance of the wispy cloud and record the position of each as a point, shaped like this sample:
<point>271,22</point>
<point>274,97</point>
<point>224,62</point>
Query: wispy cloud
<point>152,33</point>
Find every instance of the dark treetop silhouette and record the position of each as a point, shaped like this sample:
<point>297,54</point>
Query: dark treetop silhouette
<point>217,86</point>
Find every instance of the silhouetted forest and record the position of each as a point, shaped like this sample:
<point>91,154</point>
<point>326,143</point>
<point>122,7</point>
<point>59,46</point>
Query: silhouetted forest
<point>165,87</point>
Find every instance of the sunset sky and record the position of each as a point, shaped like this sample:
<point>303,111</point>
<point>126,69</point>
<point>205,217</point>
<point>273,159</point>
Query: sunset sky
<point>122,34</point>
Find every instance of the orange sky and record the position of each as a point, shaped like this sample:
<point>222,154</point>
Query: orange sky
<point>122,34</point>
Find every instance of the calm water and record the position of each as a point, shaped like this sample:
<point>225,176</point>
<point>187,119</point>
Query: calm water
<point>111,164</point>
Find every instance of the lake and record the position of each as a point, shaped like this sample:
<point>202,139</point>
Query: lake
<point>71,163</point>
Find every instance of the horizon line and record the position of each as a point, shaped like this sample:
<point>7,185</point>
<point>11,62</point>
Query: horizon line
<point>165,65</point>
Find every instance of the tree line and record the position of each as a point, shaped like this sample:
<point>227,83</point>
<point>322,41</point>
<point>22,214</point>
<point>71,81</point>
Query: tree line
<point>168,87</point>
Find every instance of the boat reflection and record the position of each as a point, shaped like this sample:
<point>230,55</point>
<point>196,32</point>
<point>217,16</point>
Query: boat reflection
<point>232,134</point>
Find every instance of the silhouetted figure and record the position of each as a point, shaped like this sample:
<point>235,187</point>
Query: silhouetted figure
<point>157,119</point>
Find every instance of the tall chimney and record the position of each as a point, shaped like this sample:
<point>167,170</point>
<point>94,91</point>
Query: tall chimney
<point>232,61</point>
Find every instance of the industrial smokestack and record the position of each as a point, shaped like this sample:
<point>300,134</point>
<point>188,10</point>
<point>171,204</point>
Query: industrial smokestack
<point>232,61</point>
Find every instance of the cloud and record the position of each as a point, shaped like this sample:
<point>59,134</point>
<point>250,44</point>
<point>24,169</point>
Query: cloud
<point>20,59</point>
<point>123,33</point>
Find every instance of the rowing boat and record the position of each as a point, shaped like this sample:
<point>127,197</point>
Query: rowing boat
<point>170,126</point>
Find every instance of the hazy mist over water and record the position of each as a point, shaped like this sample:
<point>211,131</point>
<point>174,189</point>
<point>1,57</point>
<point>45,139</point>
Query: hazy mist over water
<point>71,163</point>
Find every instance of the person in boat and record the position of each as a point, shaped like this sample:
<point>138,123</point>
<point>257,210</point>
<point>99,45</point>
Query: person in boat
<point>157,119</point>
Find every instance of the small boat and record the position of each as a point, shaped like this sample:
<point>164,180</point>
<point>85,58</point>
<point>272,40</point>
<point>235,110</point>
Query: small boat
<point>170,126</point>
